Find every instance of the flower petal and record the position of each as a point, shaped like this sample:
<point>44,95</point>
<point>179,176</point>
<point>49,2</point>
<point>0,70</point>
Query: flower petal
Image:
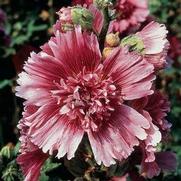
<point>116,139</point>
<point>75,50</point>
<point>98,18</point>
<point>131,73</point>
<point>53,132</point>
<point>166,160</point>
<point>31,163</point>
<point>154,37</point>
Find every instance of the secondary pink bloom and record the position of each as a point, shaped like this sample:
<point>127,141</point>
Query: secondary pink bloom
<point>165,161</point>
<point>76,93</point>
<point>150,169</point>
<point>128,13</point>
<point>151,42</point>
<point>92,19</point>
<point>157,105</point>
<point>31,158</point>
<point>154,108</point>
<point>82,2</point>
<point>148,146</point>
<point>155,43</point>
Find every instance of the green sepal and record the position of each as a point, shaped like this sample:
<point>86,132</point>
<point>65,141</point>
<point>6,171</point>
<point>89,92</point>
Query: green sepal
<point>134,43</point>
<point>83,17</point>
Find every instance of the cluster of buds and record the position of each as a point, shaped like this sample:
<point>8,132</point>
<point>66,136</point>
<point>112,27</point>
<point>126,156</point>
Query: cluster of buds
<point>88,85</point>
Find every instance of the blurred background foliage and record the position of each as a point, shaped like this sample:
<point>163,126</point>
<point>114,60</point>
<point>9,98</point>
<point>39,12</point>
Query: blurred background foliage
<point>27,25</point>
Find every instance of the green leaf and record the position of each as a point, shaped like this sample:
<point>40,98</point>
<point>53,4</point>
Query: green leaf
<point>5,83</point>
<point>49,165</point>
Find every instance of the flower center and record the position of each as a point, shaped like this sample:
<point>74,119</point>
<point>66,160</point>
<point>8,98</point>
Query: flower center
<point>88,98</point>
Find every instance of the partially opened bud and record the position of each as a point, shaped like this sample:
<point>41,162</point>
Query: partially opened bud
<point>7,151</point>
<point>90,18</point>
<point>82,16</point>
<point>134,43</point>
<point>113,39</point>
<point>151,42</point>
<point>75,16</point>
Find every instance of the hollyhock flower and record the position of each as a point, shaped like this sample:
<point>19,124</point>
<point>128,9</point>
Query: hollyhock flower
<point>154,108</point>
<point>76,93</point>
<point>165,161</point>
<point>31,158</point>
<point>88,19</point>
<point>128,13</point>
<point>82,2</point>
<point>157,105</point>
<point>148,146</point>
<point>151,42</point>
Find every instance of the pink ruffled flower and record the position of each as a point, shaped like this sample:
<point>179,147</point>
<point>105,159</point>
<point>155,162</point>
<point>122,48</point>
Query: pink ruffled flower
<point>128,13</point>
<point>92,19</point>
<point>157,105</point>
<point>76,93</point>
<point>155,43</point>
<point>155,108</point>
<point>165,161</point>
<point>151,42</point>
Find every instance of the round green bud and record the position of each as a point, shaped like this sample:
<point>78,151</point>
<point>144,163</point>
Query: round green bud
<point>134,43</point>
<point>83,17</point>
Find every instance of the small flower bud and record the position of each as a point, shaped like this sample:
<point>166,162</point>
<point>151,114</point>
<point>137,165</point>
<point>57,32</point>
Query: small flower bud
<point>113,39</point>
<point>7,151</point>
<point>82,16</point>
<point>107,51</point>
<point>134,43</point>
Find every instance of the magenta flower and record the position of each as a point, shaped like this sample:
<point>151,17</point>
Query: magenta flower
<point>157,105</point>
<point>155,43</point>
<point>75,93</point>
<point>128,13</point>
<point>165,161</point>
<point>151,42</point>
<point>88,18</point>
<point>155,108</point>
